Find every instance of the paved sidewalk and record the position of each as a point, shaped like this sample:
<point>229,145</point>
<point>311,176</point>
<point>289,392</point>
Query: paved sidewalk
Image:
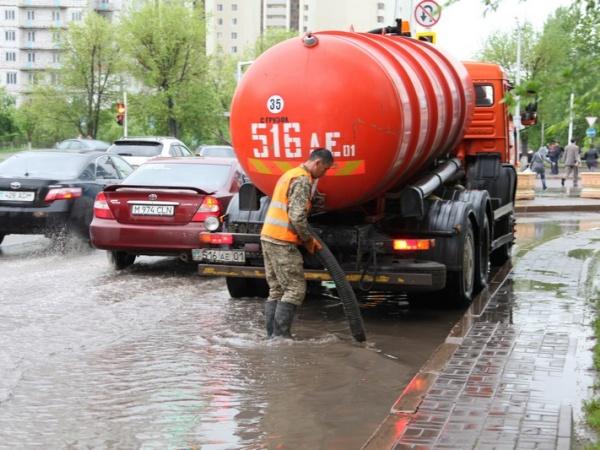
<point>513,373</point>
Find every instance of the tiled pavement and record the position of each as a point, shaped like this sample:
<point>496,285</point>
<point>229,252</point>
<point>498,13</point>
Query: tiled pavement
<point>513,380</point>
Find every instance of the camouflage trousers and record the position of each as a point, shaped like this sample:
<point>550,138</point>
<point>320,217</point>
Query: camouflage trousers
<point>284,272</point>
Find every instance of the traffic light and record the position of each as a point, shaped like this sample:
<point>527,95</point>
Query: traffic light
<point>120,113</point>
<point>427,36</point>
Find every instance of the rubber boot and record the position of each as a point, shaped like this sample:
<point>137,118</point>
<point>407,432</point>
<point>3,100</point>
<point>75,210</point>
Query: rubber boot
<point>270,307</point>
<point>284,316</point>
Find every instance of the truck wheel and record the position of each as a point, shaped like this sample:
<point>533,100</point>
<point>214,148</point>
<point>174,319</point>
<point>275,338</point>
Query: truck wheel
<point>460,285</point>
<point>483,255</point>
<point>247,287</point>
<point>120,260</point>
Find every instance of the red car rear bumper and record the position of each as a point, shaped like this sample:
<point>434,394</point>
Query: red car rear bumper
<point>145,239</point>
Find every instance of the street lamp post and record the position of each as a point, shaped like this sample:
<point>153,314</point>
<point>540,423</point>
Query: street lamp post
<point>517,117</point>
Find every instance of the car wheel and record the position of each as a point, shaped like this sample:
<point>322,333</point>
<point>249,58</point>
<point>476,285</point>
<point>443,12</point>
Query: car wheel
<point>120,260</point>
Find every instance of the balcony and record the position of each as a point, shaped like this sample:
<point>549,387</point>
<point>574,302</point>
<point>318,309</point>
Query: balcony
<point>105,5</point>
<point>52,4</point>
<point>43,25</point>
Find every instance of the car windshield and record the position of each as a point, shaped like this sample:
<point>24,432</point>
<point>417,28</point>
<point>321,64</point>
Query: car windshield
<point>208,177</point>
<point>218,152</point>
<point>136,148</point>
<point>63,166</point>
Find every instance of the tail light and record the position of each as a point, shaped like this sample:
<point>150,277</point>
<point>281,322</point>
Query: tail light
<point>62,194</point>
<point>210,207</point>
<point>411,245</point>
<point>101,209</point>
<point>216,238</point>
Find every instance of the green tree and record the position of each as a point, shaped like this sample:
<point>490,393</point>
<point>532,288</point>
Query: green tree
<point>8,127</point>
<point>90,74</point>
<point>166,49</point>
<point>271,37</point>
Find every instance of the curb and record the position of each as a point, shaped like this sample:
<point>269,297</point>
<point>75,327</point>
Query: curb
<point>582,207</point>
<point>406,405</point>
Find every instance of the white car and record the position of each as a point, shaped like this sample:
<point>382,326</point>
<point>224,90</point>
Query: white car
<point>138,150</point>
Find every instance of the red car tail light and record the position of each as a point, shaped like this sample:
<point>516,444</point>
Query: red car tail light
<point>210,207</point>
<point>101,208</point>
<point>411,245</point>
<point>216,238</point>
<point>62,194</point>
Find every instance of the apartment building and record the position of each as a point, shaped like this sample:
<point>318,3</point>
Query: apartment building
<point>234,25</point>
<point>30,38</point>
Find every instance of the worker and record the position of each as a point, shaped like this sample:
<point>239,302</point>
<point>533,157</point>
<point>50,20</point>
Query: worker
<point>286,227</point>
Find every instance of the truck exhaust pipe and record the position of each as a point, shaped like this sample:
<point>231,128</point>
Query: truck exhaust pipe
<point>412,197</point>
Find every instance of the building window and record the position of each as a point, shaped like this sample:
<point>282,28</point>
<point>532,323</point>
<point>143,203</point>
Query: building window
<point>10,35</point>
<point>55,57</point>
<point>11,77</point>
<point>31,57</point>
<point>380,19</point>
<point>234,6</point>
<point>32,78</point>
<point>305,7</point>
<point>219,35</point>
<point>234,21</point>
<point>53,78</point>
<point>31,36</point>
<point>233,35</point>
<point>305,29</point>
<point>55,36</point>
<point>380,5</point>
<point>11,56</point>
<point>30,14</point>
<point>219,21</point>
<point>219,6</point>
<point>76,16</point>
<point>55,15</point>
<point>234,49</point>
<point>305,18</point>
<point>9,14</point>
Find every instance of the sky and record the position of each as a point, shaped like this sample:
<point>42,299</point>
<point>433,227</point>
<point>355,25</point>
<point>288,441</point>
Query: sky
<point>462,28</point>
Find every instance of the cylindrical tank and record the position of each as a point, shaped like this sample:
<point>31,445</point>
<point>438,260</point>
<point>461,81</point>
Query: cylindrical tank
<point>384,105</point>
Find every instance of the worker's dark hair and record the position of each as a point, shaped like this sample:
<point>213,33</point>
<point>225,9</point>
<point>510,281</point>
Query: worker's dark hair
<point>323,154</point>
<point>573,141</point>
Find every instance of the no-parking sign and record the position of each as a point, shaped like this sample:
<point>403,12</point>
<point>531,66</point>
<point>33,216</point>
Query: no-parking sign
<point>427,13</point>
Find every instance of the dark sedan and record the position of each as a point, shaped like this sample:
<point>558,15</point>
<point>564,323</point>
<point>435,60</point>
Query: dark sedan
<point>163,206</point>
<point>83,145</point>
<point>52,192</point>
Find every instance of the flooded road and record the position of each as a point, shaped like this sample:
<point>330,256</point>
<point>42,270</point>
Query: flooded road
<point>156,357</point>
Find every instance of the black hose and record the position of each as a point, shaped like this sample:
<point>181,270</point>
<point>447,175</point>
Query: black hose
<point>345,291</point>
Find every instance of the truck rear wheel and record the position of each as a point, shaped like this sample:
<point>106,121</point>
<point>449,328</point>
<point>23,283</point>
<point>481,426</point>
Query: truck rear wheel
<point>247,287</point>
<point>460,284</point>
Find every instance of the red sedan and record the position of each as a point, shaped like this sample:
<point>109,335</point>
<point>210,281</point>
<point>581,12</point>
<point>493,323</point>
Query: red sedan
<point>162,207</point>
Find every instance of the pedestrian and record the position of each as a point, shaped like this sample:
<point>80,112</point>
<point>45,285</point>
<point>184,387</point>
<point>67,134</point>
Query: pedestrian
<point>572,161</point>
<point>286,227</point>
<point>591,159</point>
<point>537,165</point>
<point>554,157</point>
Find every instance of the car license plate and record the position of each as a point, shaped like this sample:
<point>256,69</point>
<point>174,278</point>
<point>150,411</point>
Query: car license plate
<point>17,196</point>
<point>210,255</point>
<point>153,210</point>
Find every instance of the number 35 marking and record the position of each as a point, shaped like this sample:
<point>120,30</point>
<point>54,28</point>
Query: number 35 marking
<point>275,104</point>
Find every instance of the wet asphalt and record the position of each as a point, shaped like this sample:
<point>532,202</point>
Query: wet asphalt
<point>156,357</point>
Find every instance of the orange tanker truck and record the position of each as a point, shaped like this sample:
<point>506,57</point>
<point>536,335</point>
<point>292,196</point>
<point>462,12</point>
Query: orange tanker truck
<point>421,198</point>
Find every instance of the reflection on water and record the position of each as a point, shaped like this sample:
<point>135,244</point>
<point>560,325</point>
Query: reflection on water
<point>155,357</point>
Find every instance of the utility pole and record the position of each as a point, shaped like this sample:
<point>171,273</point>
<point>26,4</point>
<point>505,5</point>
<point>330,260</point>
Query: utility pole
<point>126,114</point>
<point>572,100</point>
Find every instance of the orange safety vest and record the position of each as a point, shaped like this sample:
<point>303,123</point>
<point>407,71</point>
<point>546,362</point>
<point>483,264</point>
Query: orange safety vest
<point>277,222</point>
